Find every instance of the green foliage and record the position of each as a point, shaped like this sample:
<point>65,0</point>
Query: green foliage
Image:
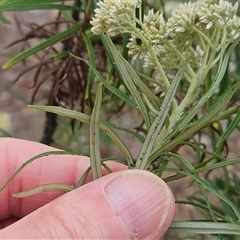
<point>188,92</point>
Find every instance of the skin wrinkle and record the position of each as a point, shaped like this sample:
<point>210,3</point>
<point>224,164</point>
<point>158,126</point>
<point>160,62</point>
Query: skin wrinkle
<point>17,184</point>
<point>64,178</point>
<point>9,188</point>
<point>11,167</point>
<point>76,176</point>
<point>80,208</point>
<point>101,208</point>
<point>48,224</point>
<point>65,225</point>
<point>18,151</point>
<point>43,199</point>
<point>60,213</point>
<point>46,227</point>
<point>69,223</point>
<point>45,177</point>
<point>6,166</point>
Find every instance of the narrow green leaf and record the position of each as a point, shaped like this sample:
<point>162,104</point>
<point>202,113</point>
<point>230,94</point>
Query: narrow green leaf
<point>112,89</point>
<point>213,166</point>
<point>83,178</point>
<point>184,162</point>
<point>50,41</point>
<point>179,160</point>
<point>139,83</point>
<point>159,120</point>
<point>12,2</point>
<point>127,130</point>
<point>119,64</point>
<point>91,55</point>
<point>36,158</point>
<point>95,156</point>
<point>46,187</point>
<point>86,119</point>
<point>33,6</point>
<point>219,105</point>
<point>216,81</point>
<point>61,55</point>
<point>210,188</point>
<point>204,207</point>
<point>234,123</point>
<point>205,227</point>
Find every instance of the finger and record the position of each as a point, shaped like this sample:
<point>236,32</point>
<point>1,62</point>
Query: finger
<point>132,204</point>
<point>65,169</point>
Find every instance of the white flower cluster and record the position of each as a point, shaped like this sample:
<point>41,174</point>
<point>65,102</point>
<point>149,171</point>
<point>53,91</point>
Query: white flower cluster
<point>193,30</point>
<point>112,16</point>
<point>215,12</point>
<point>152,31</point>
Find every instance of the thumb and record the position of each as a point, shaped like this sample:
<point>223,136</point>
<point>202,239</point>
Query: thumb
<point>131,204</point>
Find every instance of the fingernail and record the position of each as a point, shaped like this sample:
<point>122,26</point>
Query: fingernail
<point>143,202</point>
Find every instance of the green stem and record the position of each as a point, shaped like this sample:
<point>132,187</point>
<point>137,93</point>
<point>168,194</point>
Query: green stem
<point>180,55</point>
<point>226,113</point>
<point>148,45</point>
<point>176,114</point>
<point>133,30</point>
<point>211,57</point>
<point>159,121</point>
<point>200,33</point>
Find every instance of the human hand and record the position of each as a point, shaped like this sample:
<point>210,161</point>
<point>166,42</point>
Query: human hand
<point>128,204</point>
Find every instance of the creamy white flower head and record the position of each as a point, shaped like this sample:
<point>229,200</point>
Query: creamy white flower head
<point>233,28</point>
<point>183,17</point>
<point>156,26</point>
<point>111,16</point>
<point>193,32</point>
<point>194,27</point>
<point>135,49</point>
<point>153,31</point>
<point>215,13</point>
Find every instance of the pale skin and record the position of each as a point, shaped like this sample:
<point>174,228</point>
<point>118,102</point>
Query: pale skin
<point>126,204</point>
